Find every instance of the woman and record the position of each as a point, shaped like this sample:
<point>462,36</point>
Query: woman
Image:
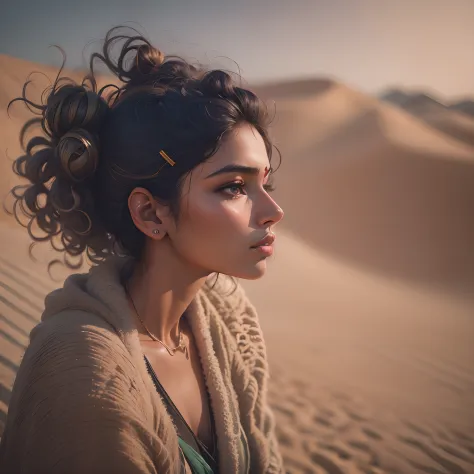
<point>145,364</point>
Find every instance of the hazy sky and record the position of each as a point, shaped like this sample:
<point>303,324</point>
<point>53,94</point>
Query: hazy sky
<point>369,44</point>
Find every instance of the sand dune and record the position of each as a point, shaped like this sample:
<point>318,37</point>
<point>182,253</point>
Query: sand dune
<point>453,123</point>
<point>370,375</point>
<point>452,120</point>
<point>23,286</point>
<point>464,106</point>
<point>367,305</point>
<point>377,188</point>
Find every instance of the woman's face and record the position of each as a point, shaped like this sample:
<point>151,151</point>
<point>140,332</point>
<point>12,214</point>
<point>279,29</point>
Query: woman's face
<point>226,209</point>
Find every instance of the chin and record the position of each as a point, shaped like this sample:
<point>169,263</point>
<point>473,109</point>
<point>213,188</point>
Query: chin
<point>255,272</point>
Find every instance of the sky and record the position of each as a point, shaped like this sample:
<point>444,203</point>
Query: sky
<point>371,45</point>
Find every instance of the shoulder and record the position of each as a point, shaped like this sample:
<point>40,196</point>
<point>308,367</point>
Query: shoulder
<point>68,348</point>
<point>77,384</point>
<point>79,329</point>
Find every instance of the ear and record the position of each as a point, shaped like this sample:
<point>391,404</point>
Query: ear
<point>147,214</point>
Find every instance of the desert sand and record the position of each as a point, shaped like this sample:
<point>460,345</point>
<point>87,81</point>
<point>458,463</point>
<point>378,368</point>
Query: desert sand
<point>453,119</point>
<point>367,306</point>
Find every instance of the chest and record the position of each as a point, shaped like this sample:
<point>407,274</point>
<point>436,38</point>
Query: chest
<point>183,382</point>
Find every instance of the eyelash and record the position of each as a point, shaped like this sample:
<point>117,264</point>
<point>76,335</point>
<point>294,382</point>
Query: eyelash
<point>240,184</point>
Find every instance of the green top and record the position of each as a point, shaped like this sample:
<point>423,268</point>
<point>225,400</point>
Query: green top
<point>199,457</point>
<point>196,462</point>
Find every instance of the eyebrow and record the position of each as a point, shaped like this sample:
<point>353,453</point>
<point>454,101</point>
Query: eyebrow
<point>235,169</point>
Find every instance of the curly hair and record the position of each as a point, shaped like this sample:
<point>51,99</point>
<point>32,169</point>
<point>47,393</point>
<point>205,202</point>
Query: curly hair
<point>101,144</point>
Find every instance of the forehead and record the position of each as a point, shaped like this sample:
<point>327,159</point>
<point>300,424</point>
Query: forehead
<point>243,146</point>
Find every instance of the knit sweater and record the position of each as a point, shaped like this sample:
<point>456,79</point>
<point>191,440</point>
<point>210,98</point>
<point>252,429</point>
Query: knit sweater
<point>83,401</point>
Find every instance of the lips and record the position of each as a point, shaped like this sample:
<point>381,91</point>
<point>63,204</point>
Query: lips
<point>266,241</point>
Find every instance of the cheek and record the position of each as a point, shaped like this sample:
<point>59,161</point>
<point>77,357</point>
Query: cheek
<point>214,236</point>
<point>215,222</point>
<point>217,217</point>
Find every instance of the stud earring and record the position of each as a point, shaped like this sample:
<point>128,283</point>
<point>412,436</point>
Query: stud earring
<point>156,231</point>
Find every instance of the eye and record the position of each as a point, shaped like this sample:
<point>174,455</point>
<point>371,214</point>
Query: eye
<point>234,189</point>
<point>237,188</point>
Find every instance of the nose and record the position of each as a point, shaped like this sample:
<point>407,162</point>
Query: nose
<point>271,212</point>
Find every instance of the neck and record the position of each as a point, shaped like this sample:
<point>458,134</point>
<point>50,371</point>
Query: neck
<point>162,287</point>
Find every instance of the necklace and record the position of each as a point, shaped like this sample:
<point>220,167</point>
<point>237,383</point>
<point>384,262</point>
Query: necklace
<point>171,350</point>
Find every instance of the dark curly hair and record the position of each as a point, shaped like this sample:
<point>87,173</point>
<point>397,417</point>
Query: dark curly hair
<point>101,144</point>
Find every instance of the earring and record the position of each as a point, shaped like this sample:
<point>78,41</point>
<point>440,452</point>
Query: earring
<point>156,231</point>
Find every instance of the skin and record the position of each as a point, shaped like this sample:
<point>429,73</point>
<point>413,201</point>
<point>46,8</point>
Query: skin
<point>215,231</point>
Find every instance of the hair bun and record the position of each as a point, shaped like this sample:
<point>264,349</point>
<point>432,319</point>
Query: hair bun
<point>146,64</point>
<point>148,59</point>
<point>74,106</point>
<point>137,63</point>
<point>78,154</point>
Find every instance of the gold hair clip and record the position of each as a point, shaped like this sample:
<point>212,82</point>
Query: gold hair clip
<point>167,158</point>
<point>125,174</point>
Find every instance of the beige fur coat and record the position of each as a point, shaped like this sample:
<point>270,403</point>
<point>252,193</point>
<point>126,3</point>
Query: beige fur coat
<point>83,401</point>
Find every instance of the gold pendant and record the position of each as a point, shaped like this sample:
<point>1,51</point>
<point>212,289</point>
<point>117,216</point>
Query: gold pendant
<point>184,348</point>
